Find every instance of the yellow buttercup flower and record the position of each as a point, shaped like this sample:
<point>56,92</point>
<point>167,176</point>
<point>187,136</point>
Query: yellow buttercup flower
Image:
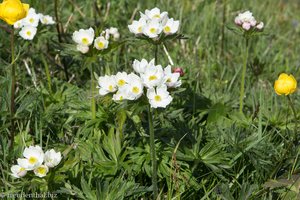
<point>12,11</point>
<point>285,84</point>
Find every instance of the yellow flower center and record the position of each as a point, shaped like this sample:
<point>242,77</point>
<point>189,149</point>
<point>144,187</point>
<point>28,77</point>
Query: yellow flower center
<point>121,98</point>
<point>156,16</point>
<point>32,160</point>
<point>153,30</point>
<point>140,29</point>
<point>152,78</point>
<point>169,80</point>
<point>31,20</point>
<point>157,98</point>
<point>45,20</point>
<point>167,29</point>
<point>135,90</point>
<point>121,82</point>
<point>22,169</point>
<point>110,88</point>
<point>28,33</point>
<point>85,41</point>
<point>100,45</point>
<point>41,170</point>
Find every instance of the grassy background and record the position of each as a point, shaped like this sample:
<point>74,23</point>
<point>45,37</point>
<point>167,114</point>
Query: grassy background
<point>222,154</point>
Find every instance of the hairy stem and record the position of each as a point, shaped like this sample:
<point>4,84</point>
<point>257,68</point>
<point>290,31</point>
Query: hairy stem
<point>242,89</point>
<point>93,100</point>
<point>13,88</point>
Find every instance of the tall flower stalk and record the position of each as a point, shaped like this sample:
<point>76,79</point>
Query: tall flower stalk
<point>242,89</point>
<point>93,100</point>
<point>12,94</point>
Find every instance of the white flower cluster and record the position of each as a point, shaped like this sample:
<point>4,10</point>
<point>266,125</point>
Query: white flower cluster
<point>34,157</point>
<point>247,21</point>
<point>131,86</point>
<point>85,38</point>
<point>30,23</point>
<point>153,23</point>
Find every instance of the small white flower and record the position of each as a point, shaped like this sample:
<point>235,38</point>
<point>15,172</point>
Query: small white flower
<point>153,76</point>
<point>159,97</point>
<point>101,43</point>
<point>31,11</point>
<point>18,171</point>
<point>154,14</point>
<point>41,171</point>
<point>84,36</point>
<point>32,19</point>
<point>52,158</point>
<point>82,48</point>
<point>46,19</point>
<point>107,84</point>
<point>114,32</point>
<point>28,32</point>
<point>152,29</point>
<point>19,24</point>
<point>134,88</point>
<point>171,27</point>
<point>260,26</point>
<point>171,79</point>
<point>140,66</point>
<point>119,96</point>
<point>137,26</point>
<point>121,79</point>
<point>34,157</point>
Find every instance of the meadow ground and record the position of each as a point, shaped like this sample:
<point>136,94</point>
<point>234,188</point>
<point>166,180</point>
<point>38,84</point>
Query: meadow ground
<point>205,147</point>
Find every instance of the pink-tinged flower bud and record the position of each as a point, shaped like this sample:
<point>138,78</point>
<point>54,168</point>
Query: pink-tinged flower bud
<point>253,22</point>
<point>178,70</point>
<point>238,21</point>
<point>260,26</point>
<point>246,26</point>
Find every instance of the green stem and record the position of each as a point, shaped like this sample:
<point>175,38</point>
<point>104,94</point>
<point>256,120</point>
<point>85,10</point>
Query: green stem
<point>242,89</point>
<point>93,100</point>
<point>13,88</point>
<point>155,54</point>
<point>47,74</point>
<point>153,154</point>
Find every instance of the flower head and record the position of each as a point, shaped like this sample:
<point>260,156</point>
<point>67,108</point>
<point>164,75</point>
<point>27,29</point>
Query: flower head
<point>46,19</point>
<point>159,97</point>
<point>28,32</point>
<point>12,11</point>
<point>41,171</point>
<point>32,19</point>
<point>152,29</point>
<point>178,70</point>
<point>18,171</point>
<point>134,88</point>
<point>247,21</point>
<point>107,84</point>
<point>153,76</point>
<point>137,26</point>
<point>84,36</point>
<point>154,14</point>
<point>114,32</point>
<point>34,157</point>
<point>140,66</point>
<point>101,43</point>
<point>285,84</point>
<point>171,79</point>
<point>171,27</point>
<point>52,158</point>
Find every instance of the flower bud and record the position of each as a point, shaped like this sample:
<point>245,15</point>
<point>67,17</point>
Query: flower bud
<point>178,70</point>
<point>285,84</point>
<point>12,11</point>
<point>260,26</point>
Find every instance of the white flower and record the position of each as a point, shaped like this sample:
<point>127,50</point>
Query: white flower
<point>260,26</point>
<point>137,26</point>
<point>171,27</point>
<point>82,48</point>
<point>41,171</point>
<point>153,76</point>
<point>159,97</point>
<point>171,79</point>
<point>246,20</point>
<point>154,14</point>
<point>134,88</point>
<point>28,32</point>
<point>101,43</point>
<point>46,19</point>
<point>31,11</point>
<point>152,29</point>
<point>107,84</point>
<point>32,19</point>
<point>18,171</point>
<point>34,157</point>
<point>119,96</point>
<point>121,79</point>
<point>19,24</point>
<point>114,32</point>
<point>84,36</point>
<point>52,158</point>
<point>140,66</point>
